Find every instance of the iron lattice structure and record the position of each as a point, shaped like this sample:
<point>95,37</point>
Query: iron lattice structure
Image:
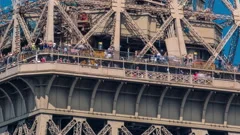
<point>36,19</point>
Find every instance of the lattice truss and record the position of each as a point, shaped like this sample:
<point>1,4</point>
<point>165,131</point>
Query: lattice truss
<point>20,17</point>
<point>80,127</point>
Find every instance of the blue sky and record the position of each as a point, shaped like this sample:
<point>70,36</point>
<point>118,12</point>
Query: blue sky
<point>219,8</point>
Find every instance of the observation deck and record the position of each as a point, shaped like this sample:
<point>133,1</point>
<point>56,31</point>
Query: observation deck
<point>114,90</point>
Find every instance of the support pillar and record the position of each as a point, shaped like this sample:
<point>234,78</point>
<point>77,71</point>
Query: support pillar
<point>118,7</point>
<point>178,14</point>
<point>42,120</point>
<point>116,125</point>
<point>49,34</point>
<point>199,132</point>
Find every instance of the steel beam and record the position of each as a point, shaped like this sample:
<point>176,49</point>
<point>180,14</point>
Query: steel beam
<point>205,106</point>
<point>94,95</point>
<point>13,112</point>
<point>21,95</point>
<point>227,108</point>
<point>50,82</point>
<point>32,90</point>
<point>160,103</point>
<point>183,104</point>
<point>71,92</point>
<point>139,99</point>
<point>116,97</point>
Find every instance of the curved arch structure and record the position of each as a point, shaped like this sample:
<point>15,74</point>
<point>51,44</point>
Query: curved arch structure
<point>116,97</point>
<point>94,95</point>
<point>139,98</point>
<point>161,102</point>
<point>32,90</point>
<point>71,92</point>
<point>11,102</point>
<point>50,82</point>
<point>227,108</point>
<point>205,106</point>
<point>21,95</point>
<point>183,104</point>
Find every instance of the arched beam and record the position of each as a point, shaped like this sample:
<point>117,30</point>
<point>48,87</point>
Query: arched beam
<point>139,98</point>
<point>205,106</point>
<point>21,95</point>
<point>227,108</point>
<point>10,100</point>
<point>32,89</point>
<point>94,95</point>
<point>1,115</point>
<point>116,97</point>
<point>50,82</point>
<point>71,92</point>
<point>183,104</point>
<point>161,102</point>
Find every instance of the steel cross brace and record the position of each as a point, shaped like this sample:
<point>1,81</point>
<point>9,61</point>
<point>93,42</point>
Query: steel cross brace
<point>6,33</point>
<point>125,130</point>
<point>194,32</point>
<point>39,24</point>
<point>24,28</point>
<point>149,130</point>
<point>150,44</point>
<point>220,46</point>
<point>165,131</point>
<point>55,130</point>
<point>137,30</point>
<point>72,25</point>
<point>229,5</point>
<point>91,32</point>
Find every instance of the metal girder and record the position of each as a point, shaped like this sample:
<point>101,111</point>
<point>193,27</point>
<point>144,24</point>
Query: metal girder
<point>29,6</point>
<point>21,95</point>
<point>49,88</point>
<point>221,46</point>
<point>94,95</point>
<point>205,105</point>
<point>95,27</point>
<point>105,130</point>
<point>116,97</point>
<point>39,24</point>
<point>139,98</point>
<point>200,39</point>
<point>87,130</point>
<point>31,130</point>
<point>10,101</point>
<point>78,129</point>
<point>228,5</point>
<point>228,107</point>
<point>183,3</point>
<point>24,28</point>
<point>71,92</point>
<point>138,31</point>
<point>160,32</point>
<point>149,130</point>
<point>113,33</point>
<point>6,33</point>
<point>183,103</point>
<point>72,25</point>
<point>53,129</point>
<point>125,130</point>
<point>91,3</point>
<point>233,46</point>
<point>160,103</point>
<point>147,8</point>
<point>209,15</point>
<point>165,131</point>
<point>154,2</point>
<point>32,89</point>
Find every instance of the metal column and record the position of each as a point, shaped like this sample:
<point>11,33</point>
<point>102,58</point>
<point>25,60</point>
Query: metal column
<point>116,125</point>
<point>42,120</point>
<point>49,35</point>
